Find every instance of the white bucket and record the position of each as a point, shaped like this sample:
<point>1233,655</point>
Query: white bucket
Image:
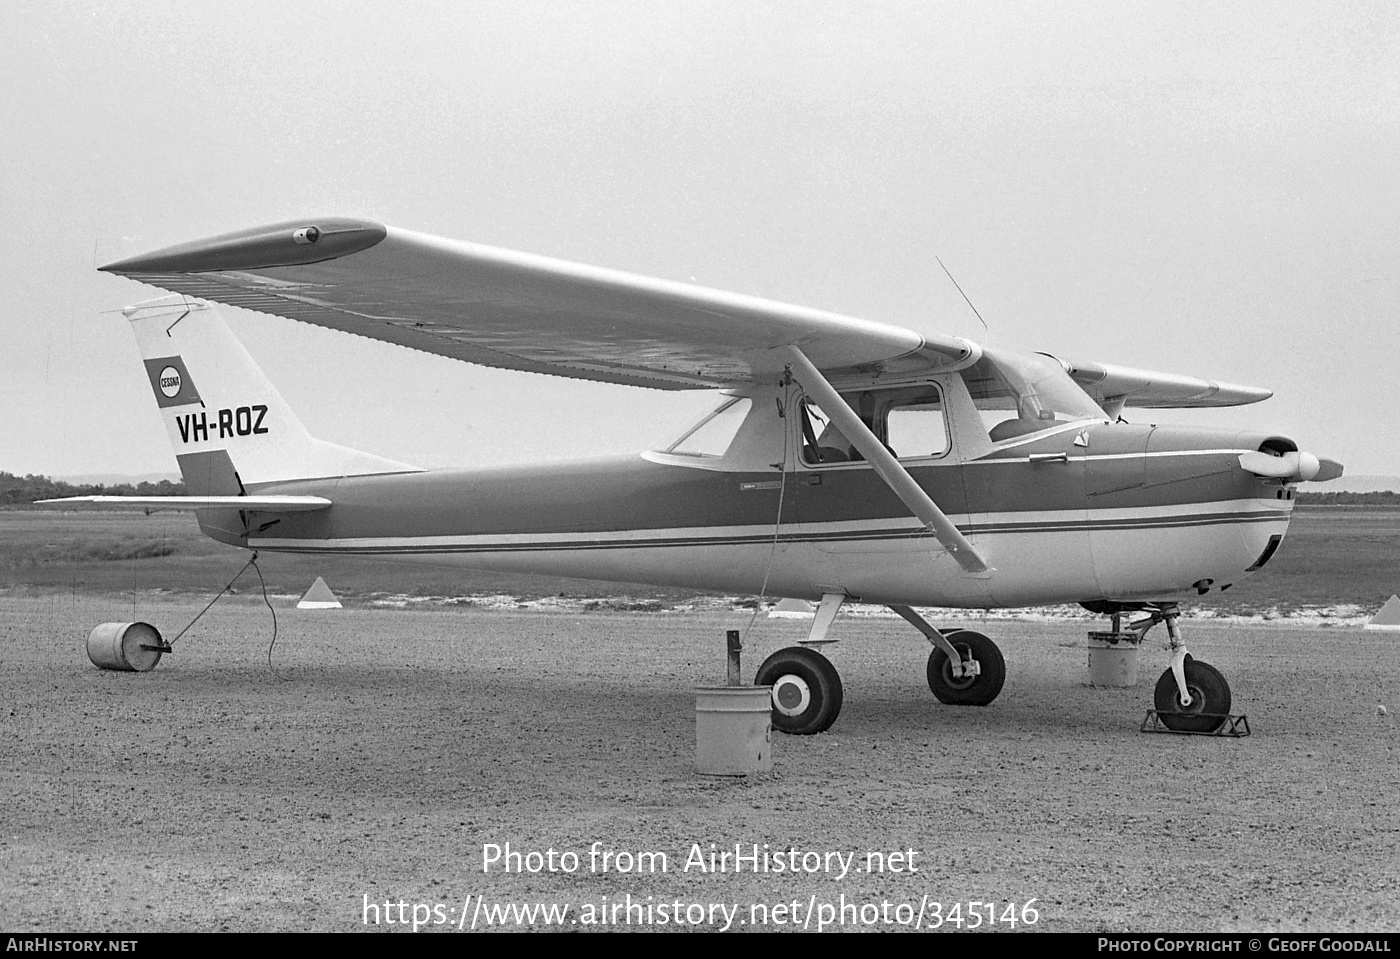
<point>119,646</point>
<point>1113,659</point>
<point>733,730</point>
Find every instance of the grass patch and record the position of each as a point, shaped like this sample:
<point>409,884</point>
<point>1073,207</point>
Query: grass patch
<point>120,551</point>
<point>45,555</point>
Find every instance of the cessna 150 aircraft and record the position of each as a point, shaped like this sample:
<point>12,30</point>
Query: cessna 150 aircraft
<point>845,459</point>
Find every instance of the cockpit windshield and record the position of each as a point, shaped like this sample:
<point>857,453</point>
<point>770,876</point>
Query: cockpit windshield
<point>1018,394</point>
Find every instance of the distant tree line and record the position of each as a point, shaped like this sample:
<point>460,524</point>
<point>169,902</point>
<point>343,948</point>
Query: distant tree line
<point>17,490</point>
<point>1385,498</point>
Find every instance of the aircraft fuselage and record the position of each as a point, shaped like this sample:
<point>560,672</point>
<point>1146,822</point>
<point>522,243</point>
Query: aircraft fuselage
<point>1080,511</point>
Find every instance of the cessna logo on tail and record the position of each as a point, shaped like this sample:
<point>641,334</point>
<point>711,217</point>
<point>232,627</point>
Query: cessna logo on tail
<point>171,382</point>
<point>241,421</point>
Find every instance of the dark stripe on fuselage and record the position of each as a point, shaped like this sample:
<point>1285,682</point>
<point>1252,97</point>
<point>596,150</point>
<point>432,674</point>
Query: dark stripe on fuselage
<point>852,536</point>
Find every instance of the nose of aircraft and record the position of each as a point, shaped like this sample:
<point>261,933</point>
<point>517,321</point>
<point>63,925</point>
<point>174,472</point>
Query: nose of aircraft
<point>1293,467</point>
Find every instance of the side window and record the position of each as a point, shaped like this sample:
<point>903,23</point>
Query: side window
<point>915,424</point>
<point>908,421</point>
<point>822,442</point>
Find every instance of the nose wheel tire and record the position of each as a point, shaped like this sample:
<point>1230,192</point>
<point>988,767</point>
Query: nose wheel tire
<point>806,690</point>
<point>1210,699</point>
<point>976,690</point>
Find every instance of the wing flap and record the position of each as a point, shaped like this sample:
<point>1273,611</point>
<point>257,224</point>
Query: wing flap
<point>519,311</point>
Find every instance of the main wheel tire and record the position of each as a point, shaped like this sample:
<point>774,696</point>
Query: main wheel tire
<point>806,690</point>
<point>1210,699</point>
<point>962,691</point>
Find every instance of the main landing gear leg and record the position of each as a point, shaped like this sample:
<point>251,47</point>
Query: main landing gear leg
<point>806,686</point>
<point>965,667</point>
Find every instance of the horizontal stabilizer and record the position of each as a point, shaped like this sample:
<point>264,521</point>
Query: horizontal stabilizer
<point>260,504</point>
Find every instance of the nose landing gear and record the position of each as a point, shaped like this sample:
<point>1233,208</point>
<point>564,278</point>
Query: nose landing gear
<point>1190,696</point>
<point>1208,707</point>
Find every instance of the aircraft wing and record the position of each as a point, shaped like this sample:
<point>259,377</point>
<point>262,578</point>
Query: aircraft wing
<point>260,504</point>
<point>518,311</point>
<point>1125,386</point>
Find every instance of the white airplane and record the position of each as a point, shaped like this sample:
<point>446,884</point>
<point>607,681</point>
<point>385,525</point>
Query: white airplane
<point>846,459</point>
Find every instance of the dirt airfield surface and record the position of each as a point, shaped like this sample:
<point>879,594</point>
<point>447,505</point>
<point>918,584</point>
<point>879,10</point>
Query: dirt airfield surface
<point>391,752</point>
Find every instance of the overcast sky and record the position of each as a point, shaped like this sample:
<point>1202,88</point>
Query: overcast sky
<point>1201,188</point>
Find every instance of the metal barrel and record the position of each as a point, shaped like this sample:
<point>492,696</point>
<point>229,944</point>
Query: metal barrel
<point>119,646</point>
<point>733,730</point>
<point>1113,659</point>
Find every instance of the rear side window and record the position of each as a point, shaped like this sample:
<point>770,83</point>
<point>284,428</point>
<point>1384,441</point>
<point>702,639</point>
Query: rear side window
<point>713,434</point>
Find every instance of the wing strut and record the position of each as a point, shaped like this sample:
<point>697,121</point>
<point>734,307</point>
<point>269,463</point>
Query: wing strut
<point>886,466</point>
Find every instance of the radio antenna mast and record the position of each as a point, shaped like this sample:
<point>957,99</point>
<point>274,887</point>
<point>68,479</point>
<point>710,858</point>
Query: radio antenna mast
<point>964,296</point>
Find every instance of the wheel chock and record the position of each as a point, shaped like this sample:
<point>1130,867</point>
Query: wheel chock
<point>1236,727</point>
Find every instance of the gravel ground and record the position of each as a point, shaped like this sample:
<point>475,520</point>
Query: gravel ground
<point>390,749</point>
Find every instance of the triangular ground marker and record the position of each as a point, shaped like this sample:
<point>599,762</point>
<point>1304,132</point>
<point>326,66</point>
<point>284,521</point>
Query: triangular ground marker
<point>1388,617</point>
<point>792,609</point>
<point>319,596</point>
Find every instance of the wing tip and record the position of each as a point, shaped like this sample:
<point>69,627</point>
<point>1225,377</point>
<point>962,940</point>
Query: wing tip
<point>289,243</point>
<point>1235,394</point>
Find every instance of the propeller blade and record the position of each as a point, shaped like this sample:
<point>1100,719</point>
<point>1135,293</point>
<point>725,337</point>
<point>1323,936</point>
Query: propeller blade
<point>1265,464</point>
<point>1291,467</point>
<point>1328,470</point>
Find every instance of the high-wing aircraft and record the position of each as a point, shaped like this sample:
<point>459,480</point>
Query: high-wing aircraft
<point>844,460</point>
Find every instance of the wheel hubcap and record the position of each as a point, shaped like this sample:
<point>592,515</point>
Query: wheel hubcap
<point>958,682</point>
<point>791,695</point>
<point>1197,704</point>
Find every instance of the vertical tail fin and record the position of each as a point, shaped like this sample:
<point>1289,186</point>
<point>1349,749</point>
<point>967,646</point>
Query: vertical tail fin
<point>229,426</point>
